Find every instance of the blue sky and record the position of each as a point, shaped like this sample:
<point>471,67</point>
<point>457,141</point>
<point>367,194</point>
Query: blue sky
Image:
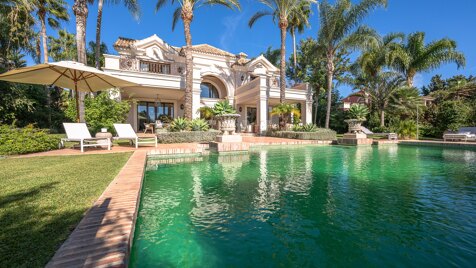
<point>227,29</point>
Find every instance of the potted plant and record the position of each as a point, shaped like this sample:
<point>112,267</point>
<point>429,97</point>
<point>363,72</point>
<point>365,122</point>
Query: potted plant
<point>226,115</point>
<point>357,114</point>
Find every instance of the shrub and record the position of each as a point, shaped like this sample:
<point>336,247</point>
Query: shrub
<point>223,107</point>
<point>25,140</point>
<point>358,111</point>
<point>407,129</point>
<point>305,128</point>
<point>101,111</point>
<point>198,125</point>
<point>179,124</point>
<point>187,136</point>
<point>318,134</point>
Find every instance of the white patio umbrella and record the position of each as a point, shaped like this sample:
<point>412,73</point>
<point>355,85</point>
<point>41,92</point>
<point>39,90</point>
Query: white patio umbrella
<point>66,74</point>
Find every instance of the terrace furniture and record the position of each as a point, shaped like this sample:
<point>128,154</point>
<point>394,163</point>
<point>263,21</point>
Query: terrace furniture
<point>390,136</point>
<point>78,132</point>
<point>463,134</point>
<point>147,127</point>
<point>125,132</point>
<point>104,135</point>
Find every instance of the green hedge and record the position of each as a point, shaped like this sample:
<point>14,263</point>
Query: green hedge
<point>26,140</point>
<point>187,136</point>
<point>319,134</point>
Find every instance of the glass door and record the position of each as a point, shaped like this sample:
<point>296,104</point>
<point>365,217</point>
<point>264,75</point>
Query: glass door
<point>149,112</point>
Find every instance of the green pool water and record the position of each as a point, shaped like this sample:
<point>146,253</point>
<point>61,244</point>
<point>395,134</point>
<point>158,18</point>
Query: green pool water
<point>310,206</point>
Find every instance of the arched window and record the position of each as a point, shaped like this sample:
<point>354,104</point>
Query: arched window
<point>208,91</point>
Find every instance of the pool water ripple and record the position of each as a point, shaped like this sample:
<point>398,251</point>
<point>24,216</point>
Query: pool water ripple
<point>311,206</point>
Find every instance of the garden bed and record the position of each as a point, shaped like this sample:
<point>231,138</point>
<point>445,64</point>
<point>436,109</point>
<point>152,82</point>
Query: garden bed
<point>320,134</point>
<point>187,136</point>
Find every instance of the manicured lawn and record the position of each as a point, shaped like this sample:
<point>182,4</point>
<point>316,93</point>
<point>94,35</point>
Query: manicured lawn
<point>43,198</point>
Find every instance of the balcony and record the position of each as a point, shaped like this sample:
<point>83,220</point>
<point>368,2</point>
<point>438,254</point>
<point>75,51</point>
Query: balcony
<point>154,67</point>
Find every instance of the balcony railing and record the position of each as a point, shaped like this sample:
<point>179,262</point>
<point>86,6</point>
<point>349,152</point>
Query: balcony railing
<point>134,64</point>
<point>154,67</point>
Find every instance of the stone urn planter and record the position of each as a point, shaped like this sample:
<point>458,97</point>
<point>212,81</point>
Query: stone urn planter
<point>227,123</point>
<point>354,125</point>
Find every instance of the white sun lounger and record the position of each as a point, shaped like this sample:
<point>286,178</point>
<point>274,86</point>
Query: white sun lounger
<point>125,132</point>
<point>463,134</point>
<point>390,136</point>
<point>79,132</point>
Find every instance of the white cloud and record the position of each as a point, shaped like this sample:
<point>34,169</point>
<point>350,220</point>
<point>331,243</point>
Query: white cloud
<point>230,23</point>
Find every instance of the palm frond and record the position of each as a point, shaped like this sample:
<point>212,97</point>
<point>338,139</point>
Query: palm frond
<point>176,17</point>
<point>258,15</point>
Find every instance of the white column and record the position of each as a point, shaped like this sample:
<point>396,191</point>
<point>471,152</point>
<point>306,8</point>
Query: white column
<point>262,105</point>
<point>306,109</point>
<point>306,112</point>
<point>196,93</point>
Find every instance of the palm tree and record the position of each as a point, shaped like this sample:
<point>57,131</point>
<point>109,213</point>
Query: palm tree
<point>421,57</point>
<point>387,50</point>
<point>285,110</point>
<point>80,9</point>
<point>339,29</point>
<point>380,89</point>
<point>272,55</point>
<point>298,22</point>
<point>281,11</point>
<point>185,12</point>
<point>131,5</point>
<point>51,11</point>
<point>63,47</point>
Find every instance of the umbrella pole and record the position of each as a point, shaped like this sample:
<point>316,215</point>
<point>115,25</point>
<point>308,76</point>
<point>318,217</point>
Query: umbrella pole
<point>77,101</point>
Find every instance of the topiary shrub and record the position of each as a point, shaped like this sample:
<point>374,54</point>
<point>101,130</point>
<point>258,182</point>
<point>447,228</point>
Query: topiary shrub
<point>318,134</point>
<point>187,136</point>
<point>26,140</point>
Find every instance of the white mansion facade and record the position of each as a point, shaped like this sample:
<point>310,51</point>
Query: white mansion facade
<point>250,85</point>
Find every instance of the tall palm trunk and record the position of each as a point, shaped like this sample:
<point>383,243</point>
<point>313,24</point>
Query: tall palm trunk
<point>282,78</point>
<point>283,24</point>
<point>187,16</point>
<point>382,117</point>
<point>316,99</point>
<point>80,9</point>
<point>330,74</point>
<point>293,34</point>
<point>98,34</point>
<point>45,60</point>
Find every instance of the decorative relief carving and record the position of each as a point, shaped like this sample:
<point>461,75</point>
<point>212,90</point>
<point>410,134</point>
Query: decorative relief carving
<point>128,63</point>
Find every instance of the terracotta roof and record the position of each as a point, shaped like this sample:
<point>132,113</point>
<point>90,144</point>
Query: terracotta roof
<point>123,42</point>
<point>207,49</point>
<point>354,98</point>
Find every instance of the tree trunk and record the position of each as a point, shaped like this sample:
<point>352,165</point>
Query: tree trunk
<point>187,16</point>
<point>382,118</point>
<point>293,34</point>
<point>318,91</point>
<point>44,38</point>
<point>45,60</point>
<point>330,74</point>
<point>282,76</point>
<point>98,35</point>
<point>80,9</point>
<point>410,80</point>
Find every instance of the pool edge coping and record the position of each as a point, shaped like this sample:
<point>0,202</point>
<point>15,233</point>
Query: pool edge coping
<point>97,248</point>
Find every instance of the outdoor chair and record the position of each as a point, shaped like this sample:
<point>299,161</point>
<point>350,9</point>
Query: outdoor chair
<point>125,132</point>
<point>390,136</point>
<point>463,134</point>
<point>147,127</point>
<point>78,132</point>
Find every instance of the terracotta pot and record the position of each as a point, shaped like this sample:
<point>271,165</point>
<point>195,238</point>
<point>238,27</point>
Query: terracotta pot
<point>227,123</point>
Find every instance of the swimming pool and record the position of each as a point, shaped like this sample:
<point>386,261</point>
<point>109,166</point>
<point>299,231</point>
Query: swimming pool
<point>310,206</point>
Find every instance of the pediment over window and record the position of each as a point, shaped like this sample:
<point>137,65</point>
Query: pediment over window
<point>262,65</point>
<point>152,47</point>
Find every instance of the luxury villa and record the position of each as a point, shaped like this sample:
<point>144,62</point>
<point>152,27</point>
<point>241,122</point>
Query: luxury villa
<point>250,85</point>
